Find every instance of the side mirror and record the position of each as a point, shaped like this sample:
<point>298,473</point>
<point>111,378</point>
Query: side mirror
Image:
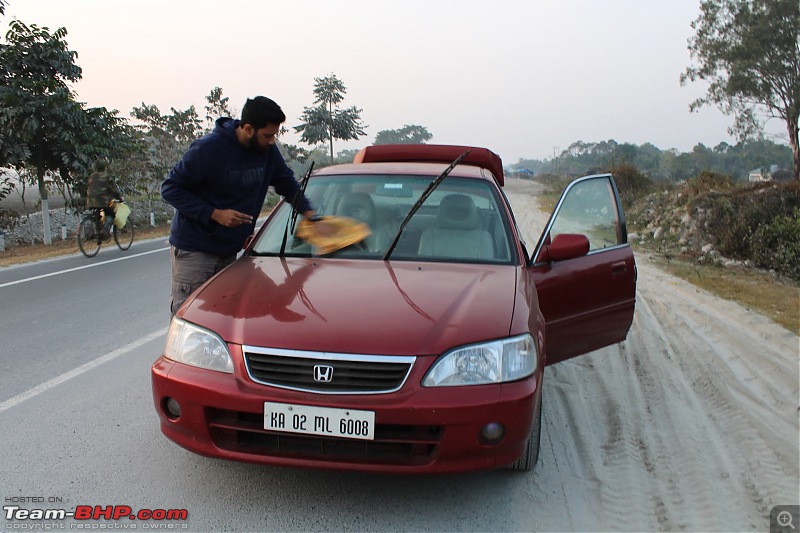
<point>566,246</point>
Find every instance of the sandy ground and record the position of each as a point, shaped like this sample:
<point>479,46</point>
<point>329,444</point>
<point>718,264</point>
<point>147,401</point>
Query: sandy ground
<point>689,424</point>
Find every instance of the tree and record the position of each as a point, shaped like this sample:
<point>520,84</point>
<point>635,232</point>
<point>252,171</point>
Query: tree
<point>647,159</point>
<point>218,106</point>
<point>42,128</point>
<point>326,121</point>
<point>749,53</point>
<point>408,134</point>
<point>345,156</point>
<point>166,138</point>
<point>624,153</point>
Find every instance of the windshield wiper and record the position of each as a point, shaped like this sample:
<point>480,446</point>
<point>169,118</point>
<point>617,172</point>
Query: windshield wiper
<point>427,192</point>
<point>293,217</point>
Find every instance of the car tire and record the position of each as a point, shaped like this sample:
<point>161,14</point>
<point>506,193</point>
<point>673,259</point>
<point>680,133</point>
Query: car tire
<point>530,456</point>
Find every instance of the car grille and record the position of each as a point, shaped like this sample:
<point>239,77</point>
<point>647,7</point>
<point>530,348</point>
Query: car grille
<point>348,373</point>
<point>397,445</point>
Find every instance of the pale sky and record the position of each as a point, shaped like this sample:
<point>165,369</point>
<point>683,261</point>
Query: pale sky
<point>524,78</point>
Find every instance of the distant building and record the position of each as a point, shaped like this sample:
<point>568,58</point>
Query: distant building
<point>763,174</point>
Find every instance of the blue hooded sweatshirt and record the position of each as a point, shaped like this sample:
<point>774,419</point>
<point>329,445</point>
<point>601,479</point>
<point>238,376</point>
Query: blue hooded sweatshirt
<point>218,172</point>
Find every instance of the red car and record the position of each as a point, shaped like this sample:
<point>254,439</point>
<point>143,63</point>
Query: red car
<point>420,349</point>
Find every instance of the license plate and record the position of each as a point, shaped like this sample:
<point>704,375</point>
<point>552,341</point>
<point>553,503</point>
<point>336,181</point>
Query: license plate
<point>308,420</point>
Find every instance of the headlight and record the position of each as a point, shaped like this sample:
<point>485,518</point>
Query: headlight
<point>193,345</point>
<point>491,362</point>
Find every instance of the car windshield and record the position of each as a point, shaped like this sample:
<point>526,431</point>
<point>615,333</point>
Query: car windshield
<point>461,221</point>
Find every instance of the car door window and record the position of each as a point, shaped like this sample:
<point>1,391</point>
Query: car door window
<point>589,207</point>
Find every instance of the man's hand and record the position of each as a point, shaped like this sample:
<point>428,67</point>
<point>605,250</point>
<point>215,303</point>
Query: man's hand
<point>322,228</point>
<point>230,217</point>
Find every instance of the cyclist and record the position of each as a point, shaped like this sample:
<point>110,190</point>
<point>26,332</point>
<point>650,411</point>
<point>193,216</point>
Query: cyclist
<point>99,193</point>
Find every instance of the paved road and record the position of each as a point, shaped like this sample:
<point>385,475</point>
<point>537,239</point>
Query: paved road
<point>58,315</point>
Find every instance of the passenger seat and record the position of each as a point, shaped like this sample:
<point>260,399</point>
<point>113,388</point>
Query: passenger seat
<point>456,232</point>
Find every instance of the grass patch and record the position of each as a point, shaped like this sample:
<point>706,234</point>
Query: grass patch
<point>773,297</point>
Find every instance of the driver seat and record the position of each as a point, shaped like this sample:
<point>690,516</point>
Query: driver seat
<point>359,206</point>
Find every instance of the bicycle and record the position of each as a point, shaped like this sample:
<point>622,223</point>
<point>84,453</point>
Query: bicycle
<point>90,236</point>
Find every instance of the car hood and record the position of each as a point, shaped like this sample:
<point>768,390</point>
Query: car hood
<point>356,306</point>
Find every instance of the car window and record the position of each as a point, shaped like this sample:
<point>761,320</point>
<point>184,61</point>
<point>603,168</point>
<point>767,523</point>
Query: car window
<point>461,220</point>
<point>589,207</point>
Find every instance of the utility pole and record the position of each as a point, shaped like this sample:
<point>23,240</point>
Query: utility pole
<point>555,160</point>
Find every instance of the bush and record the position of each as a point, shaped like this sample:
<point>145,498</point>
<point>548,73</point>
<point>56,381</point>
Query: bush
<point>631,183</point>
<point>708,181</point>
<point>777,245</point>
<point>760,225</point>
<point>555,183</point>
<point>272,199</point>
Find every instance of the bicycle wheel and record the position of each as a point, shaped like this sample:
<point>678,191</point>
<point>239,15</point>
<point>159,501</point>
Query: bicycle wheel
<point>123,237</point>
<point>89,235</point>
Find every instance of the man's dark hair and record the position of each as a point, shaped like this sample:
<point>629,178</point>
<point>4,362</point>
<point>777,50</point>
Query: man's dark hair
<point>100,165</point>
<point>260,111</point>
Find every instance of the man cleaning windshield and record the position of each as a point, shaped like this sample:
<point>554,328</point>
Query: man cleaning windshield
<point>218,190</point>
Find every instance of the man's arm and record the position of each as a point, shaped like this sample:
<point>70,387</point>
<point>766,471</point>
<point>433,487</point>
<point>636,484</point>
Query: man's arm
<point>178,189</point>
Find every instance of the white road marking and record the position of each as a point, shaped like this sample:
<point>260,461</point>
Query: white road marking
<point>58,380</point>
<point>17,282</point>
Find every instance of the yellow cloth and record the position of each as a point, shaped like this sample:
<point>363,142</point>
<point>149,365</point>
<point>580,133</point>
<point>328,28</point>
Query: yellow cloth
<point>121,212</point>
<point>347,231</point>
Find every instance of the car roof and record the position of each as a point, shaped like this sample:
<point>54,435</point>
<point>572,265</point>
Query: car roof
<point>433,153</point>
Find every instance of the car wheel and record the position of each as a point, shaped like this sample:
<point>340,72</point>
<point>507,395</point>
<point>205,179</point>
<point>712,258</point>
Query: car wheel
<point>530,456</point>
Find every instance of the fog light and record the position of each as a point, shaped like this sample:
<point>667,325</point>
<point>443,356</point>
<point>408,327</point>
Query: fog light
<point>492,433</point>
<point>172,408</point>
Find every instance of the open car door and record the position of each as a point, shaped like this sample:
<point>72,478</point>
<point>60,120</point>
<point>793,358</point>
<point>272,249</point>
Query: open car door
<point>584,270</point>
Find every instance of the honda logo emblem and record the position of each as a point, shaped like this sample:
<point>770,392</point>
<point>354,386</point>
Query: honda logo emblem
<point>323,373</point>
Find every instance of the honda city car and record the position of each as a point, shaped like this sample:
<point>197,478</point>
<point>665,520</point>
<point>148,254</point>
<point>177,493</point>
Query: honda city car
<point>420,349</point>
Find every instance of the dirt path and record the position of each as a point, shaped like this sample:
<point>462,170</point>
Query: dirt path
<point>690,424</point>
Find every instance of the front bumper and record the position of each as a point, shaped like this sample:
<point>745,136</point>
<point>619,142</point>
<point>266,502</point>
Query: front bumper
<point>418,430</point>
